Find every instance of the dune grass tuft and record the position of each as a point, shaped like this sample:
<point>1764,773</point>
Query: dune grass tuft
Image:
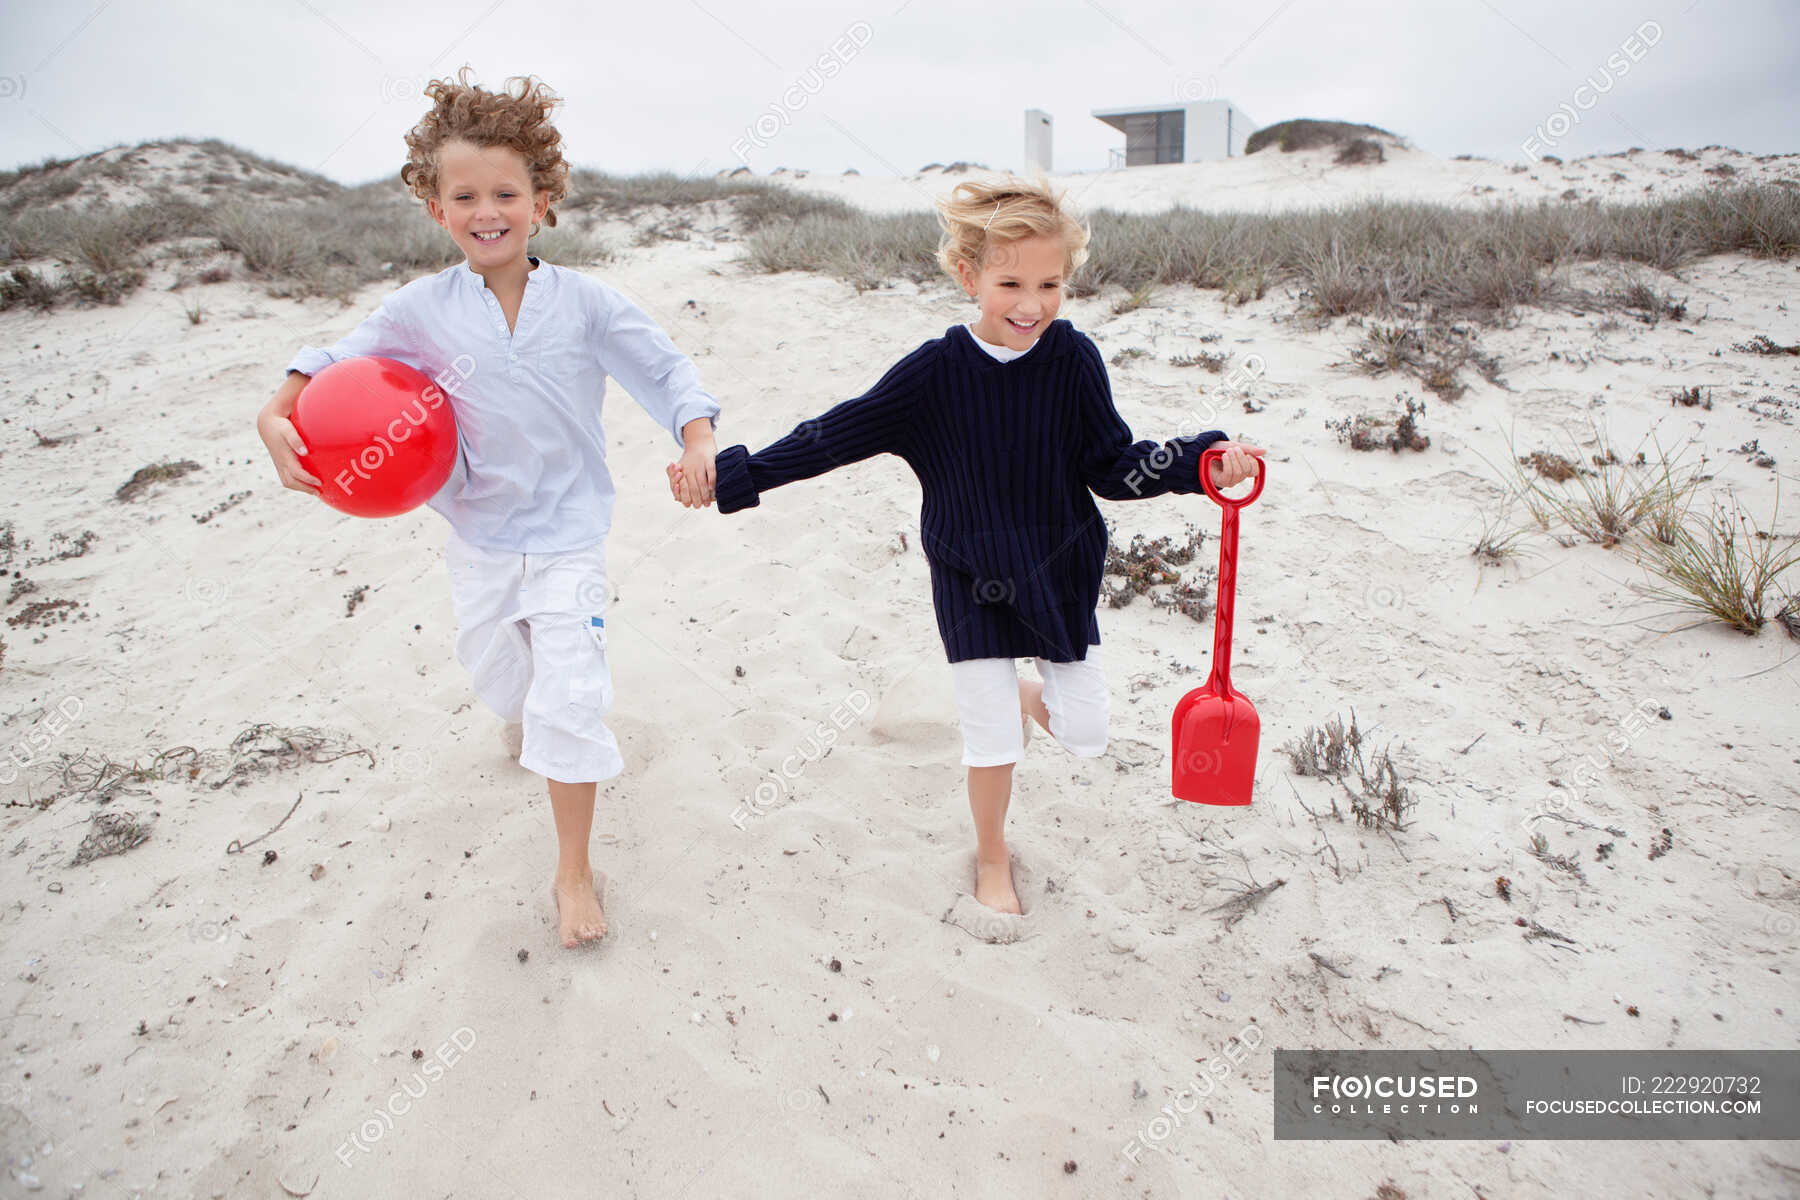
<point>1609,498</point>
<point>1719,564</point>
<point>1722,566</point>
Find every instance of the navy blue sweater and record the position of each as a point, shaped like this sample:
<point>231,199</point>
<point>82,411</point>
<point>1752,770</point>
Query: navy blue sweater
<point>1006,454</point>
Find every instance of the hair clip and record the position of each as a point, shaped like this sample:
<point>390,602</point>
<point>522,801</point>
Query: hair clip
<point>991,216</point>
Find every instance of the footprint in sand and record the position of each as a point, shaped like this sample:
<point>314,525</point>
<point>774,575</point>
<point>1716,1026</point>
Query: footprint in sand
<point>983,923</point>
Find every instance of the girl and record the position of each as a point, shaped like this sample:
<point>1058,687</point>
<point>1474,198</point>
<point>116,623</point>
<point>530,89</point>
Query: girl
<point>529,501</point>
<point>1009,424</point>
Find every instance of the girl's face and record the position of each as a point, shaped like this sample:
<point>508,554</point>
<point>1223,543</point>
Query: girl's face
<point>485,200</point>
<point>1019,288</point>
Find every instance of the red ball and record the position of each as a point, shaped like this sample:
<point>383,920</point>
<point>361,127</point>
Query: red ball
<point>380,436</point>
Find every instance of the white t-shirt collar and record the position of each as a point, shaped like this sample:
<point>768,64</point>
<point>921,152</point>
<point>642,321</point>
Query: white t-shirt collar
<point>1000,353</point>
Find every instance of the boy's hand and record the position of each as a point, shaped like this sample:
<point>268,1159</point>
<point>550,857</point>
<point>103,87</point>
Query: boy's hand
<point>282,440</point>
<point>1238,464</point>
<point>691,480</point>
<point>684,491</point>
<point>677,483</point>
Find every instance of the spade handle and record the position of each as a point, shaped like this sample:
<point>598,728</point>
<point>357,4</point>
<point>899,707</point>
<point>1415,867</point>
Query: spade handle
<point>1220,680</point>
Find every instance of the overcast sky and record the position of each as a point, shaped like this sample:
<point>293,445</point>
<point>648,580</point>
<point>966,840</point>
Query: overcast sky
<point>332,85</point>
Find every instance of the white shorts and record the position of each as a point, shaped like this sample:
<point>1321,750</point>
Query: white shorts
<point>531,630</point>
<point>987,699</point>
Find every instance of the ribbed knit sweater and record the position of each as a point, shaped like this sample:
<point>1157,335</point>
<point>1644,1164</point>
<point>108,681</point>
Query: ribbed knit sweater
<point>1007,455</point>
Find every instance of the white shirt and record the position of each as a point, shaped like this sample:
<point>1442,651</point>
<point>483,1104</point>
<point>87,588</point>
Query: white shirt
<point>531,474</point>
<point>1002,353</point>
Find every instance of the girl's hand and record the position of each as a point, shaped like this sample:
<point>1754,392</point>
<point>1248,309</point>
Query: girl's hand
<point>282,440</point>
<point>1238,464</point>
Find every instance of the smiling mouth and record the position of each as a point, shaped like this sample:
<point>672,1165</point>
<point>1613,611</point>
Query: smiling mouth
<point>488,236</point>
<point>1021,326</point>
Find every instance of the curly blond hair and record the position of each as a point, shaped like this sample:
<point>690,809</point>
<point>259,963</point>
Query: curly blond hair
<point>978,215</point>
<point>517,117</point>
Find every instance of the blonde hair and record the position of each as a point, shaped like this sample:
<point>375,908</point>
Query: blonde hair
<point>978,215</point>
<point>517,117</point>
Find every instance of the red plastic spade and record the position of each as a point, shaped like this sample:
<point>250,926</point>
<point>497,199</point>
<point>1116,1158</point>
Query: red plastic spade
<point>1216,727</point>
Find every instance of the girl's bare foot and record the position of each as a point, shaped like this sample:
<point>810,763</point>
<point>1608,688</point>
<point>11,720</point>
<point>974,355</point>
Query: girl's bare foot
<point>1031,705</point>
<point>577,908</point>
<point>994,885</point>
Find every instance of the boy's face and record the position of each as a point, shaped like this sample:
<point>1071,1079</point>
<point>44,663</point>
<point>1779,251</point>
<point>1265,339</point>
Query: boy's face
<point>1019,288</point>
<point>485,200</point>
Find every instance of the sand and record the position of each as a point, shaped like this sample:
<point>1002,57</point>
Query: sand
<point>796,997</point>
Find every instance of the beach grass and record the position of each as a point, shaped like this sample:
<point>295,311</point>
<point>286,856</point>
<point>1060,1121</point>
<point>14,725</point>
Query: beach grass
<point>1380,257</point>
<point>1722,566</point>
<point>1407,261</point>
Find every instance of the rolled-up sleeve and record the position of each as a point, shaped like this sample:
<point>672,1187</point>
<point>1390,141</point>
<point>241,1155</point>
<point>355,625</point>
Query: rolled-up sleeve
<point>635,351</point>
<point>384,332</point>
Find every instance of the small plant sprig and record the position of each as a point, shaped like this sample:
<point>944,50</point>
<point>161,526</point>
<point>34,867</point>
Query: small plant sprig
<point>1433,353</point>
<point>1136,300</point>
<point>1762,343</point>
<point>1206,360</point>
<point>1335,752</point>
<point>1366,431</point>
<point>1153,562</point>
<point>1497,542</point>
<point>1327,751</point>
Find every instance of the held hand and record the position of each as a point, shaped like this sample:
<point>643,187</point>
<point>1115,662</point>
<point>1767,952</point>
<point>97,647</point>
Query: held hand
<point>677,484</point>
<point>685,491</point>
<point>691,481</point>
<point>1238,464</point>
<point>283,443</point>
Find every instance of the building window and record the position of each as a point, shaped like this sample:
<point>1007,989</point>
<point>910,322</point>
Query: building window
<point>1154,138</point>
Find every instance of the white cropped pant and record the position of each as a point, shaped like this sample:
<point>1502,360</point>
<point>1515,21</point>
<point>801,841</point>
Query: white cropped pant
<point>987,700</point>
<point>531,630</point>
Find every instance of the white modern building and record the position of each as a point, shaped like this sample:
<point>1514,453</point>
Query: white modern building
<point>1172,133</point>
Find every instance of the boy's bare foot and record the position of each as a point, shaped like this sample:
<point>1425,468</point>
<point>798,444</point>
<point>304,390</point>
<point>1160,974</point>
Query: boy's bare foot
<point>577,909</point>
<point>994,885</point>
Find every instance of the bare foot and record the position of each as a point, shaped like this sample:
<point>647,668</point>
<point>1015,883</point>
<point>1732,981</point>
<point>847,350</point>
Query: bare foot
<point>994,885</point>
<point>578,909</point>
